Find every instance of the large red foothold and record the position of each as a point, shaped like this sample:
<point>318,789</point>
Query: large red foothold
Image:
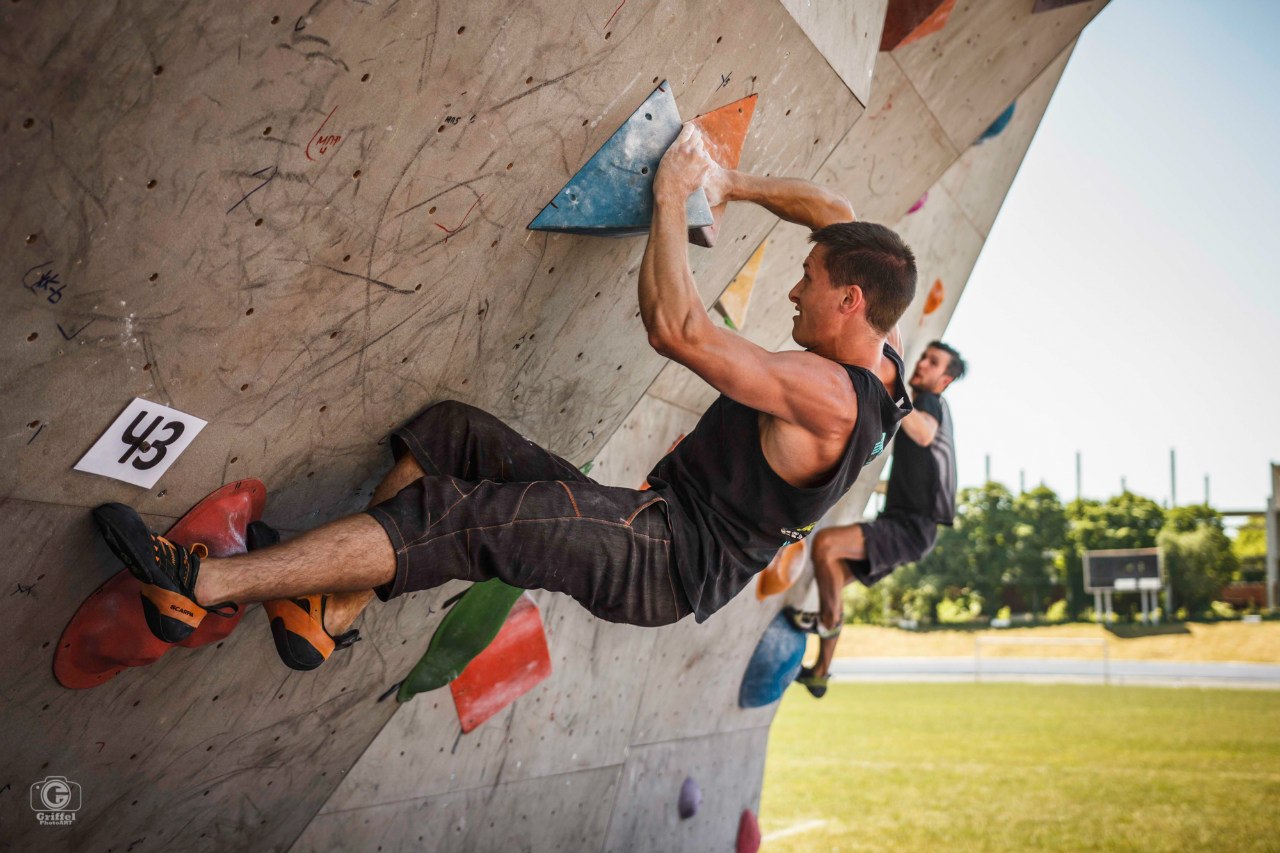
<point>780,574</point>
<point>748,833</point>
<point>508,668</point>
<point>109,634</point>
<point>911,20</point>
<point>724,131</point>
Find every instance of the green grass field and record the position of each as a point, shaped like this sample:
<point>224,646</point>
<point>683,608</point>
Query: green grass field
<point>1013,767</point>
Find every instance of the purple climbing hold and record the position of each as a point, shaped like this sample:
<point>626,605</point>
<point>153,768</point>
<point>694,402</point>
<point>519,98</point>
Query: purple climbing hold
<point>690,798</point>
<point>919,203</point>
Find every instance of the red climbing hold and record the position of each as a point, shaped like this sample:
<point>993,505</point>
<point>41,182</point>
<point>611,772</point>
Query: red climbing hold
<point>515,662</point>
<point>748,833</point>
<point>911,20</point>
<point>109,633</point>
<point>919,203</point>
<point>724,131</point>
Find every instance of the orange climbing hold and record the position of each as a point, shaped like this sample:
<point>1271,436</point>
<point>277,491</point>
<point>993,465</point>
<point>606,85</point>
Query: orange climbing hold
<point>780,574</point>
<point>109,633</point>
<point>933,301</point>
<point>724,131</point>
<point>509,667</point>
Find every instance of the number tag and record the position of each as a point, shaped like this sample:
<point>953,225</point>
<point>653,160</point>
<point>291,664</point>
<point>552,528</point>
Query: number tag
<point>141,444</point>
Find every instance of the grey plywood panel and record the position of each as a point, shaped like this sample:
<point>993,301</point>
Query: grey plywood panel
<point>694,672</point>
<point>847,33</point>
<point>566,812</point>
<point>580,717</point>
<point>728,767</point>
<point>986,55</point>
<point>222,735</point>
<point>894,152</point>
<point>947,246</point>
<point>306,314</point>
<point>981,178</point>
<point>644,438</point>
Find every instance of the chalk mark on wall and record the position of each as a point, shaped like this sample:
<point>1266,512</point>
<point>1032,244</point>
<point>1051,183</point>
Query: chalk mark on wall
<point>258,173</point>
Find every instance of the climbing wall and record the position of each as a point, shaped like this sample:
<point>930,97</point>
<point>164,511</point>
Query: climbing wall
<point>303,222</point>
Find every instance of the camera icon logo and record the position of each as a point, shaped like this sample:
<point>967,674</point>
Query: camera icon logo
<point>55,800</point>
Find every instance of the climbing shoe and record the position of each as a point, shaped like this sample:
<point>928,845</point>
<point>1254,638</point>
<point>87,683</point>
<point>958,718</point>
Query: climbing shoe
<point>166,570</point>
<point>808,622</point>
<point>816,685</point>
<point>297,624</point>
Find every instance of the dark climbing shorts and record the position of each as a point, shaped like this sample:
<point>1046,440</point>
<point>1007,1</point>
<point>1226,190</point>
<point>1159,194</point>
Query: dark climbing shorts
<point>495,505</point>
<point>892,540</point>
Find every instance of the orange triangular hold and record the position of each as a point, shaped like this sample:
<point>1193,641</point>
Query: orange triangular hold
<point>733,303</point>
<point>724,130</point>
<point>512,665</point>
<point>780,574</point>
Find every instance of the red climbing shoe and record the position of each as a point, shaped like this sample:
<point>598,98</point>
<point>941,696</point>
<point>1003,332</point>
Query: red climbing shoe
<point>297,624</point>
<point>166,571</point>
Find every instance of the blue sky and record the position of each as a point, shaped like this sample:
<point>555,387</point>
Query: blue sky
<point>1127,299</point>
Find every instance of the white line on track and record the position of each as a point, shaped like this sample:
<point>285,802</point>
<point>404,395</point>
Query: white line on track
<point>794,829</point>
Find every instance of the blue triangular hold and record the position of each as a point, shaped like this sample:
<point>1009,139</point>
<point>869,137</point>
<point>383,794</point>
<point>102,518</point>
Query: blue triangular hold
<point>612,195</point>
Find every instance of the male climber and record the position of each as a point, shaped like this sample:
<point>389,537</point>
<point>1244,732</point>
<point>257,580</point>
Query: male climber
<point>922,495</point>
<point>469,498</point>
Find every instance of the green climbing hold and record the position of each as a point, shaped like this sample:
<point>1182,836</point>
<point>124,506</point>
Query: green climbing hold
<point>466,630</point>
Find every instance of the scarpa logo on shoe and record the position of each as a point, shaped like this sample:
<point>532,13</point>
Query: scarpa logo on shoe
<point>55,800</point>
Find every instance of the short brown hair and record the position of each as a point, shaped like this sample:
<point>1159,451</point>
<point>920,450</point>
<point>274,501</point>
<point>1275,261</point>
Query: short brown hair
<point>874,258</point>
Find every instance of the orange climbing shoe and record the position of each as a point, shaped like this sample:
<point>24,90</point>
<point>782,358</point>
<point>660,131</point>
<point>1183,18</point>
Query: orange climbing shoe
<point>167,572</point>
<point>297,624</point>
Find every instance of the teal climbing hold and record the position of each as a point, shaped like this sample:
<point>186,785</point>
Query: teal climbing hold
<point>612,195</point>
<point>997,127</point>
<point>466,630</point>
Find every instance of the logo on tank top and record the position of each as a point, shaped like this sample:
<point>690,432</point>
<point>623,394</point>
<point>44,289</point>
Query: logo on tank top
<point>799,532</point>
<point>877,450</point>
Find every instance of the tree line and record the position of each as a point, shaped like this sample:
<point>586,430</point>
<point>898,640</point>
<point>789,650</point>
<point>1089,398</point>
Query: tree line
<point>1025,552</point>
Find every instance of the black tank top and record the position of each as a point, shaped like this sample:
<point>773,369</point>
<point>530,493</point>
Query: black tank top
<point>729,510</point>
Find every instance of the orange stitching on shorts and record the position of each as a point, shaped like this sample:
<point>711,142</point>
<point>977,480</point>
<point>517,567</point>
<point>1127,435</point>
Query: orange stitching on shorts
<point>642,508</point>
<point>520,503</point>
<point>427,539</point>
<point>569,492</point>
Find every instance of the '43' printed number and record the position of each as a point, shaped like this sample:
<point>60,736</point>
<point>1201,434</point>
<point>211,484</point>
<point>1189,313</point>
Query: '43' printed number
<point>142,444</point>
